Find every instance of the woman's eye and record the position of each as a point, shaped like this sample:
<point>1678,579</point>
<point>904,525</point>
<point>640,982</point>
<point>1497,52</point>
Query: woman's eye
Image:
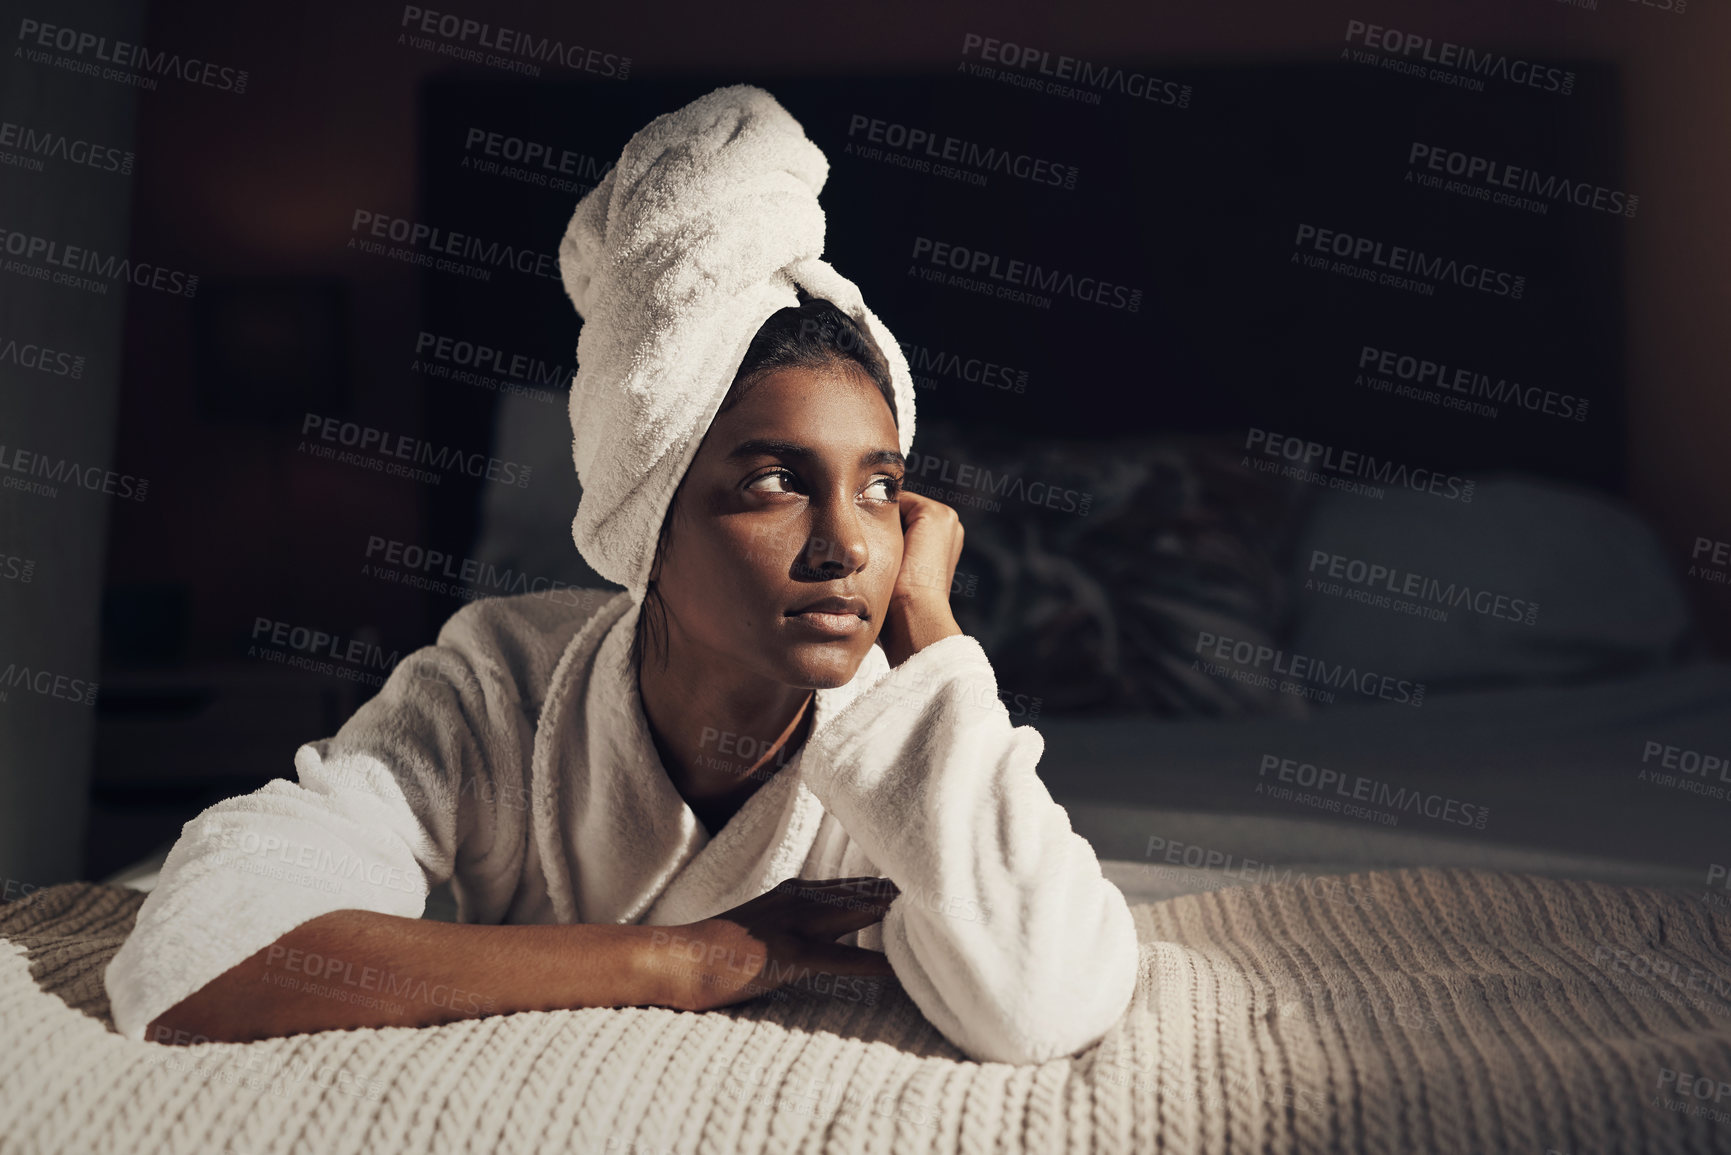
<point>892,487</point>
<point>779,473</point>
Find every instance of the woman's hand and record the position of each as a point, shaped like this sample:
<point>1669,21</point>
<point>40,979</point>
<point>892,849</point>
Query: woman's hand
<point>919,612</point>
<point>784,938</point>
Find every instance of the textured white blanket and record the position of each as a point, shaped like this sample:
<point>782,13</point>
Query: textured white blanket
<point>1424,1010</point>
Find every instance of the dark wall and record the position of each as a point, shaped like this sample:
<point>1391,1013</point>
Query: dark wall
<point>1192,209</point>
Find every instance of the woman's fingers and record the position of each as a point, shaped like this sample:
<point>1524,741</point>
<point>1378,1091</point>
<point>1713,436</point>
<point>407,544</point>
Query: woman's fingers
<point>816,908</point>
<point>833,891</point>
<point>790,932</point>
<point>832,911</point>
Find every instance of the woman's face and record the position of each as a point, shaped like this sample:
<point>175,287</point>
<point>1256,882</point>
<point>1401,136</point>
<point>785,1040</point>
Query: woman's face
<point>793,498</point>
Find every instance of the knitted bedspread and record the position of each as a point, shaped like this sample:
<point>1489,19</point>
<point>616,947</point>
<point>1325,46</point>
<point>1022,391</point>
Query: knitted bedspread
<point>1398,1011</point>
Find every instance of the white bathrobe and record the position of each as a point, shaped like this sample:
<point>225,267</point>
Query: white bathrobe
<point>513,759</point>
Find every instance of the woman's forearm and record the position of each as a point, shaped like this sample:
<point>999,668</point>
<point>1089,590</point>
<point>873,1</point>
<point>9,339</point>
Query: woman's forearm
<point>359,968</point>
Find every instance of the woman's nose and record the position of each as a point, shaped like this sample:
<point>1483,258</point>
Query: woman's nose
<point>836,540</point>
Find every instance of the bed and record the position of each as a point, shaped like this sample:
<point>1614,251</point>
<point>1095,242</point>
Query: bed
<point>1426,1009</point>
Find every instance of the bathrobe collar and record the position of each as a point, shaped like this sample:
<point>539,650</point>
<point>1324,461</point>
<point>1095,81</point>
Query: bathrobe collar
<point>636,852</point>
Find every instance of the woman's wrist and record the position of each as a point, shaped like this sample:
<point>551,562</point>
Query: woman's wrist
<point>912,625</point>
<point>655,974</point>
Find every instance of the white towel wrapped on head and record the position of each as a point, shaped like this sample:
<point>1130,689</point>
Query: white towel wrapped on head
<point>700,232</point>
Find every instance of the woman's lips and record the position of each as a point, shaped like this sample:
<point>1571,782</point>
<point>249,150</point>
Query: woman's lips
<point>835,616</point>
<point>829,624</point>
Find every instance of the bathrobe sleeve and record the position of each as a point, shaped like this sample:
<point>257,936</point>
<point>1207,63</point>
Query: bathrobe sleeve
<point>1006,934</point>
<point>426,779</point>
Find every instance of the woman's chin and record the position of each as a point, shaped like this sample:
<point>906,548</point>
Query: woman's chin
<point>826,665</point>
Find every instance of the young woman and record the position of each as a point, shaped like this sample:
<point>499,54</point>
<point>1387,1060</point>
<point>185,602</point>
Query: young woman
<point>783,766</point>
